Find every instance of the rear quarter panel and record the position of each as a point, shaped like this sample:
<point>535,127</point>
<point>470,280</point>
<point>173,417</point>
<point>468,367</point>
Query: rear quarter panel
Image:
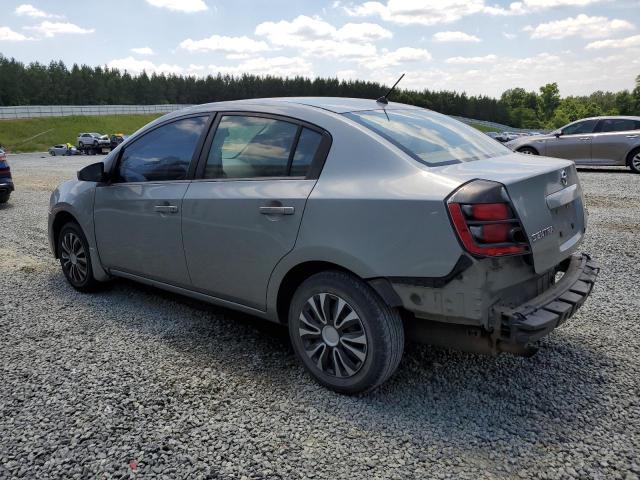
<point>376,212</point>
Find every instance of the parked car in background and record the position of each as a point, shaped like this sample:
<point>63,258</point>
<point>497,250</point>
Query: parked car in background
<point>117,138</point>
<point>63,149</point>
<point>262,206</point>
<point>507,136</point>
<point>589,141</point>
<point>6,181</point>
<point>93,140</point>
<point>493,135</point>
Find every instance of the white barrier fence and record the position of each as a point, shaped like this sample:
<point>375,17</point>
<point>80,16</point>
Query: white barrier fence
<point>34,111</point>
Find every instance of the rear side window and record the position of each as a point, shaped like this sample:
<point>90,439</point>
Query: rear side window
<point>580,128</point>
<point>253,147</point>
<point>162,154</point>
<point>619,125</point>
<point>430,138</point>
<point>306,151</point>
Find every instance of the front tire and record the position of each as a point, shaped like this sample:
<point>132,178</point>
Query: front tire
<point>634,161</point>
<point>527,151</point>
<point>75,258</point>
<point>4,198</point>
<point>52,153</point>
<point>346,336</point>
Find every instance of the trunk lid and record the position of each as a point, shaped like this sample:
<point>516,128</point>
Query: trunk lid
<point>546,194</point>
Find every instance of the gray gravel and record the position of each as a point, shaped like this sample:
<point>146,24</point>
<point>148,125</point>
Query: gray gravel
<point>135,382</point>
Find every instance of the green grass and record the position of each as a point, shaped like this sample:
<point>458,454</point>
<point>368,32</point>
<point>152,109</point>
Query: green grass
<point>38,134</point>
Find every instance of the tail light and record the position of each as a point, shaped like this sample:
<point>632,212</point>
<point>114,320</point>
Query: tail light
<point>5,171</point>
<point>485,220</point>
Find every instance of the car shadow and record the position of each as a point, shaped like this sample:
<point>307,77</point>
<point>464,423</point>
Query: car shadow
<point>6,206</point>
<point>604,170</point>
<point>435,391</point>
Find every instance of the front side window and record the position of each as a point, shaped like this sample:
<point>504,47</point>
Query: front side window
<point>250,147</point>
<point>580,128</point>
<point>619,125</point>
<point>162,154</point>
<point>430,138</point>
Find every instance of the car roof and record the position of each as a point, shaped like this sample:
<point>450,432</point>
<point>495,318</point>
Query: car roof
<point>332,104</point>
<point>610,117</point>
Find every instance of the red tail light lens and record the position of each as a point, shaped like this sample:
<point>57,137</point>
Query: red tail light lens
<point>485,221</point>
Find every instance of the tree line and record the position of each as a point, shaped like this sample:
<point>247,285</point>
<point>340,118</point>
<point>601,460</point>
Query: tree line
<point>57,84</point>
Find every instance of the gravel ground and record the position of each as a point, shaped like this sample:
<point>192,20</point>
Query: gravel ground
<point>133,382</point>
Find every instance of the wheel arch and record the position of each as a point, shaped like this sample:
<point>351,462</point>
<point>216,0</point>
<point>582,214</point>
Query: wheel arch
<point>630,154</point>
<point>297,274</point>
<point>61,219</point>
<point>528,146</point>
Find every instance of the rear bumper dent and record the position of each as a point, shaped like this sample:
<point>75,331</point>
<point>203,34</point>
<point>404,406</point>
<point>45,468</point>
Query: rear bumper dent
<point>539,316</point>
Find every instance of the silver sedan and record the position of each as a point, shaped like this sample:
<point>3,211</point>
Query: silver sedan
<point>354,222</point>
<point>590,141</point>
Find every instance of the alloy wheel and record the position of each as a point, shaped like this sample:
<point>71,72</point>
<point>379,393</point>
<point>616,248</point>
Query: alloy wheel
<point>332,335</point>
<point>635,162</point>
<point>74,258</point>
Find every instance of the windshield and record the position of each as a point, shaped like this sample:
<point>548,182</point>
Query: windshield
<point>430,137</point>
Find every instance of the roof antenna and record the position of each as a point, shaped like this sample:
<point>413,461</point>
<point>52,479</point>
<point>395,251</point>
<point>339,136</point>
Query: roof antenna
<point>383,99</point>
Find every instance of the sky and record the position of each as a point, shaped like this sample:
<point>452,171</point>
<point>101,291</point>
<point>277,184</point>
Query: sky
<point>475,46</point>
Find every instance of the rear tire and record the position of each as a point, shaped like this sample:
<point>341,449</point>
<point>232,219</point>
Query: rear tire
<point>75,258</point>
<point>4,198</point>
<point>527,151</point>
<point>633,161</point>
<point>346,336</point>
<point>53,154</point>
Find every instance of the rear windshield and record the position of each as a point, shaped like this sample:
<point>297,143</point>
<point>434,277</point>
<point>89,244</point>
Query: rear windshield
<point>429,137</point>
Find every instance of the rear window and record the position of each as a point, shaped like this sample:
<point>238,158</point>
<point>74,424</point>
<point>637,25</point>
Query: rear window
<point>619,125</point>
<point>430,137</point>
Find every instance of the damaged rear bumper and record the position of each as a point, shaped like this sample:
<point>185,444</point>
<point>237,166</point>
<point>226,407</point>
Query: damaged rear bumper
<point>536,318</point>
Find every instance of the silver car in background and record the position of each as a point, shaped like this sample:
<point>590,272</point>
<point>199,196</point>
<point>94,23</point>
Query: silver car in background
<point>356,223</point>
<point>590,141</point>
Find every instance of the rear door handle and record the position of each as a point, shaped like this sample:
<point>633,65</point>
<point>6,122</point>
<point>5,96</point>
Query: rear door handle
<point>585,138</point>
<point>166,209</point>
<point>277,210</point>
<point>632,136</point>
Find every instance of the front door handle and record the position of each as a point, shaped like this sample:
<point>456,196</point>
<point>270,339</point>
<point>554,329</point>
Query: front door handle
<point>585,138</point>
<point>166,209</point>
<point>632,136</point>
<point>277,210</point>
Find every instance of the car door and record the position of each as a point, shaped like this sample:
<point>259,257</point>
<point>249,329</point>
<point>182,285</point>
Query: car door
<point>242,213</point>
<point>138,214</point>
<point>614,139</point>
<point>574,142</point>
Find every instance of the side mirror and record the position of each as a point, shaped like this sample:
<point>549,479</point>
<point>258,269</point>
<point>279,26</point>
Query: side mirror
<point>92,173</point>
<point>557,133</point>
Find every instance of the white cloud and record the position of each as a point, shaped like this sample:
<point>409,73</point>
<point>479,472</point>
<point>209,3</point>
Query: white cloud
<point>316,37</point>
<point>28,10</point>
<point>132,65</point>
<point>218,43</point>
<point>454,37</point>
<point>51,29</point>
<point>143,51</point>
<point>308,29</point>
<point>394,58</point>
<point>430,12</point>
<point>470,60</point>
<point>628,42</point>
<point>509,36</point>
<point>186,6</point>
<point>277,66</point>
<point>348,74</point>
<point>583,26</point>
<point>423,12</point>
<point>8,35</point>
